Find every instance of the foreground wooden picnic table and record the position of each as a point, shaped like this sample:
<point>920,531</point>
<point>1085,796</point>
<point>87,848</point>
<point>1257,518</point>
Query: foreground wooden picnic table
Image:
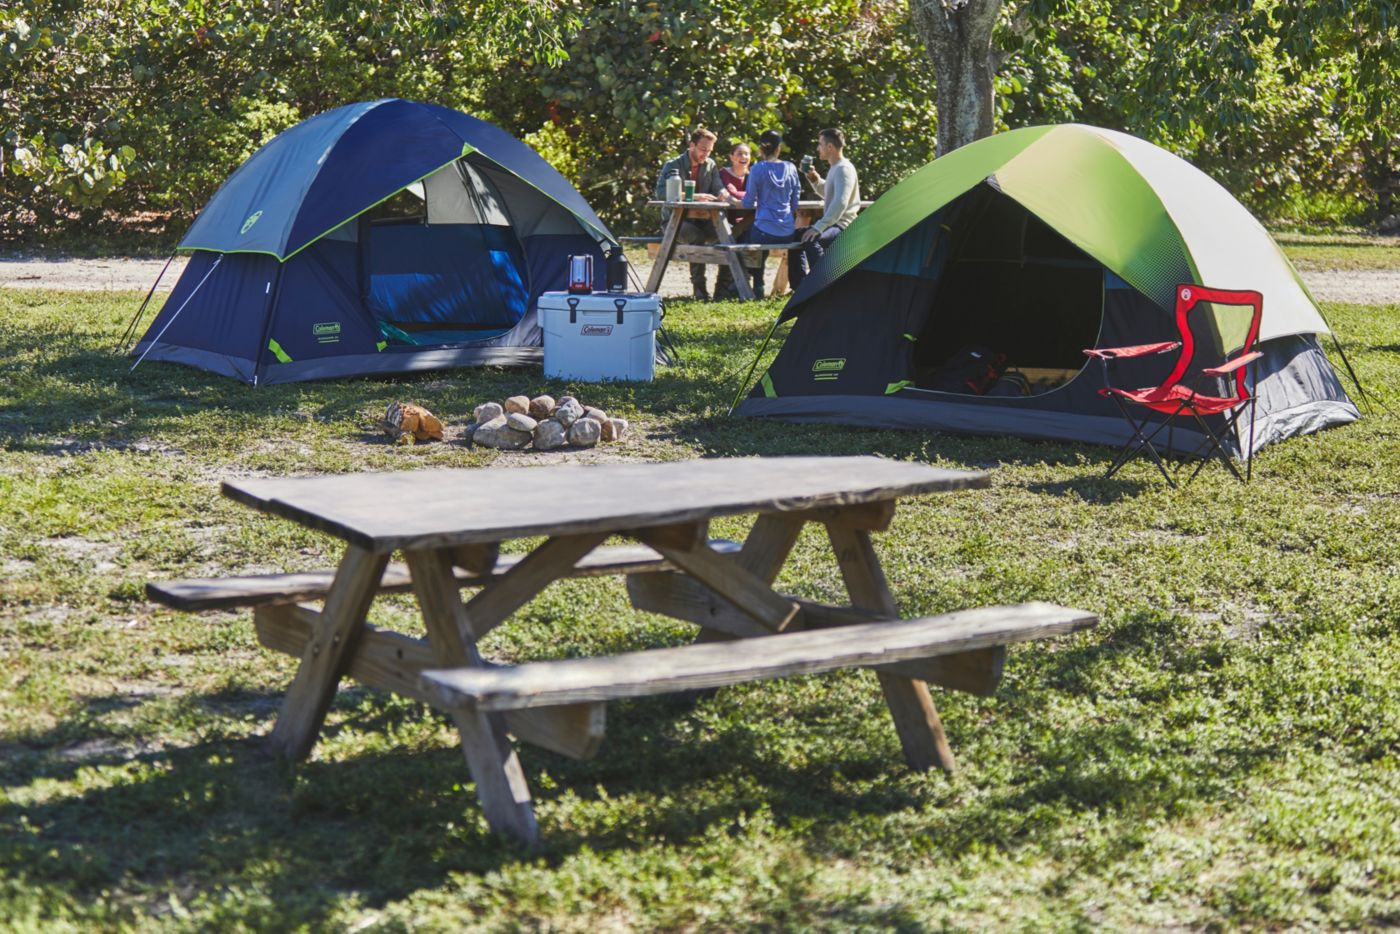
<point>449,525</point>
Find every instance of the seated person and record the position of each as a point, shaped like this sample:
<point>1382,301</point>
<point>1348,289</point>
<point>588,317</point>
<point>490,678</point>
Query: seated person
<point>735,177</point>
<point>840,190</point>
<point>696,165</point>
<point>772,190</point>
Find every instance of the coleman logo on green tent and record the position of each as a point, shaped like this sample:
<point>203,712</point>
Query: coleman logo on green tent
<point>252,219</point>
<point>828,368</point>
<point>326,332</point>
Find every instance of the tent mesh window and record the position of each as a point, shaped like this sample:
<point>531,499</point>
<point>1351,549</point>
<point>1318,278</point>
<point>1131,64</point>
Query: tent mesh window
<point>1013,286</point>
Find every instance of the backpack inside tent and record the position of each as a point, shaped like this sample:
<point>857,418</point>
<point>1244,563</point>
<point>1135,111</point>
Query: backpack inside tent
<point>380,237</point>
<point>964,298</point>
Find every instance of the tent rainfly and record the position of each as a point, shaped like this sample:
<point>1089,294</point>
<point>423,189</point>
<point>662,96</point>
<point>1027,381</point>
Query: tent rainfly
<point>1037,244</point>
<point>379,237</point>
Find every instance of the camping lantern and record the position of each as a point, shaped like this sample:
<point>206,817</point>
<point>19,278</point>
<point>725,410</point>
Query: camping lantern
<point>580,274</point>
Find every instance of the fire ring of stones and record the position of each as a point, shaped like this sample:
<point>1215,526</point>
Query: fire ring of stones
<point>543,423</point>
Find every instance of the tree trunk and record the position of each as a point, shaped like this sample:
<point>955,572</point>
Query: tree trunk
<point>958,37</point>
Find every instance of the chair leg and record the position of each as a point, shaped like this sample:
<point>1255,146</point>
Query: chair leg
<point>1139,443</point>
<point>1213,447</point>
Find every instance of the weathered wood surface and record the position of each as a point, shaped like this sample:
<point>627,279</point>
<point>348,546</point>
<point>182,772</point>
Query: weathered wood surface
<point>685,598</point>
<point>744,590</point>
<point>219,593</point>
<point>663,251</point>
<point>716,254</point>
<point>390,661</point>
<point>501,786</point>
<point>463,506</point>
<point>536,571</point>
<point>659,671</point>
<point>915,717</point>
<point>328,652</point>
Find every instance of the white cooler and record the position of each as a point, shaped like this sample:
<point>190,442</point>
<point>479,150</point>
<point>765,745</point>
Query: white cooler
<point>596,336</point>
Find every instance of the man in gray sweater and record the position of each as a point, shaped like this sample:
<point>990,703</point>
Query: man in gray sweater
<point>841,192</point>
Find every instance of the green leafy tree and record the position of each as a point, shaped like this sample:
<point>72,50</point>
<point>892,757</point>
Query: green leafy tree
<point>148,104</point>
<point>641,75</point>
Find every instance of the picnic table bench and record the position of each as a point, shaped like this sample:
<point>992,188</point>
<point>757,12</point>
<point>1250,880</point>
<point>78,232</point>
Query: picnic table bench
<point>724,252</point>
<point>750,631</point>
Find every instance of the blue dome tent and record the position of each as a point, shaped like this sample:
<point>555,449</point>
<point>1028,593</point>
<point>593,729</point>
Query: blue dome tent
<point>379,237</point>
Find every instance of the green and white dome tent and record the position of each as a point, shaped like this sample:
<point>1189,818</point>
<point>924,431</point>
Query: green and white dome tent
<point>1037,244</point>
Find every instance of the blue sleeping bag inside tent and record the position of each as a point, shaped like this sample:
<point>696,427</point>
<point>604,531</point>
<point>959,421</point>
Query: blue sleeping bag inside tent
<point>445,282</point>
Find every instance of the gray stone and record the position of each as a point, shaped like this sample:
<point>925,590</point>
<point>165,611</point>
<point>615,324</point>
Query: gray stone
<point>598,415</point>
<point>487,411</point>
<point>498,421</point>
<point>564,399</point>
<point>614,429</point>
<point>550,435</point>
<point>521,422</point>
<point>568,412</point>
<point>519,404</point>
<point>498,434</point>
<point>541,407</point>
<point>585,432</point>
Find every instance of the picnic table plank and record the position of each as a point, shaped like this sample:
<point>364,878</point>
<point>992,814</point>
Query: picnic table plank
<point>461,506</point>
<point>328,653</point>
<point>494,763</point>
<point>675,595</point>
<point>393,662</point>
<point>691,667</point>
<point>750,594</point>
<point>221,593</point>
<point>915,717</point>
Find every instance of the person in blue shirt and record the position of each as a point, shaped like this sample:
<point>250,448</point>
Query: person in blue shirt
<point>773,190</point>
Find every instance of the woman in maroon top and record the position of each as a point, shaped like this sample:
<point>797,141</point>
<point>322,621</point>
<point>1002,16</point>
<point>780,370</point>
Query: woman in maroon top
<point>734,177</point>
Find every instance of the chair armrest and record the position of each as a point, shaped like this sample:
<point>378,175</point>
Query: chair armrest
<point>1137,350</point>
<point>1231,366</point>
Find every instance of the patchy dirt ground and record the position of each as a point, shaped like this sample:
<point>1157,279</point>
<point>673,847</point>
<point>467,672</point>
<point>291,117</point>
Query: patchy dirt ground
<point>1364,287</point>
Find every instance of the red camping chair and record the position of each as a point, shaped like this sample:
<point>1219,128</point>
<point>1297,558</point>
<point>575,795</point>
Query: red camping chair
<point>1218,329</point>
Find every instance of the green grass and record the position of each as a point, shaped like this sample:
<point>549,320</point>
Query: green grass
<point>1351,252</point>
<point>1223,751</point>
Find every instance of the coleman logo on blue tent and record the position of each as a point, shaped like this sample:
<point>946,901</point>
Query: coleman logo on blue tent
<point>828,368</point>
<point>248,224</point>
<point>326,332</point>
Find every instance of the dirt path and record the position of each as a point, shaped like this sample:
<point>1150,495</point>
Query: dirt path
<point>1367,287</point>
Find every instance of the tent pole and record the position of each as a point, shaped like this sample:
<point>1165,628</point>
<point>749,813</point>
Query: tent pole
<point>753,366</point>
<point>274,289</point>
<point>1366,397</point>
<point>155,340</point>
<point>131,328</point>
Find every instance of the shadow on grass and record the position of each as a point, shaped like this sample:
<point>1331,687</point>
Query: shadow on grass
<point>386,822</point>
<point>89,390</point>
